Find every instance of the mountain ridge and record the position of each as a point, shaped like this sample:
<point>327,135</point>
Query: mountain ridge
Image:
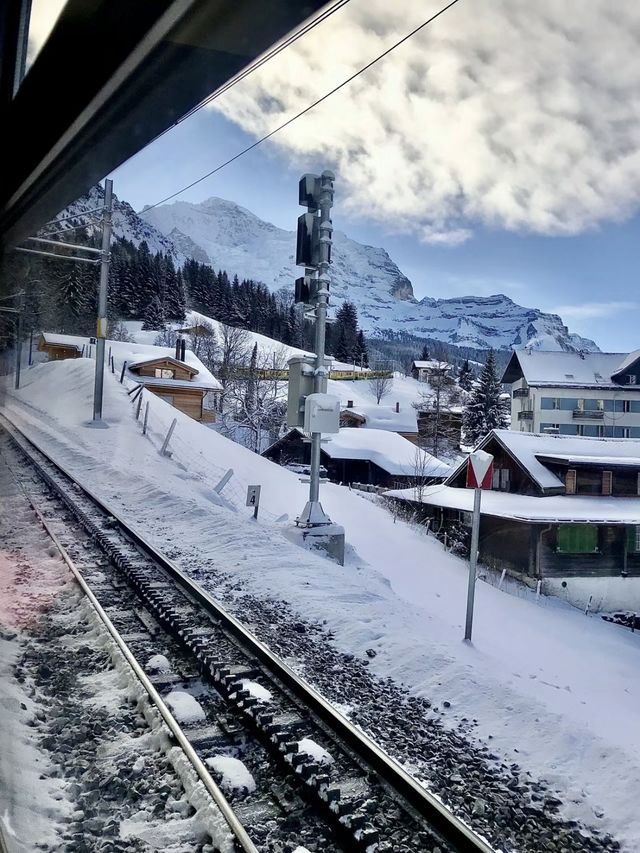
<point>234,238</point>
<point>228,236</point>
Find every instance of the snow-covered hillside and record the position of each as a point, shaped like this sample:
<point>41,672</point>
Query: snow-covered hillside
<point>234,239</point>
<point>546,686</point>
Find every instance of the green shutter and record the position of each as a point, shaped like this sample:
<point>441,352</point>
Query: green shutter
<point>577,538</point>
<point>632,539</point>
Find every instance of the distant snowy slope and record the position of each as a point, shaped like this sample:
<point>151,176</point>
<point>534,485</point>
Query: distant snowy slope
<point>233,238</point>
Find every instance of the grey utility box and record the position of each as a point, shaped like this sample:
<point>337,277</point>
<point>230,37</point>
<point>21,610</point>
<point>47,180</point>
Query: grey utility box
<point>301,370</point>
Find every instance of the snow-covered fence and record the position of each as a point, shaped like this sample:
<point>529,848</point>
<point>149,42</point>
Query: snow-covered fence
<point>191,449</point>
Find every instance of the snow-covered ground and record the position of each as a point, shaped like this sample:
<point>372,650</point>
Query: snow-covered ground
<point>541,679</point>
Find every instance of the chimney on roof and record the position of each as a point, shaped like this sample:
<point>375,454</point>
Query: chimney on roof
<point>178,348</point>
<point>397,407</point>
<point>349,404</point>
<point>183,348</point>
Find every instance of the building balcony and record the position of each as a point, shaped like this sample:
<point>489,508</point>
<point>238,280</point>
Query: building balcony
<point>525,416</point>
<point>520,392</point>
<point>588,414</point>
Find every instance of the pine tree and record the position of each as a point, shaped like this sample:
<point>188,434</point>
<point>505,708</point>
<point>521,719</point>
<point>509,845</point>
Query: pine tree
<point>345,333</point>
<point>485,410</point>
<point>154,315</point>
<point>424,355</point>
<point>465,376</point>
<point>362,354</point>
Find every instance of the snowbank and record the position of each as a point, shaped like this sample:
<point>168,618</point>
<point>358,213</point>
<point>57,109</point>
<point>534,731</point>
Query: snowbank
<point>561,688</point>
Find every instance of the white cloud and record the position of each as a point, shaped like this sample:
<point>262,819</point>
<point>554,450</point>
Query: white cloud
<point>512,114</point>
<point>593,310</point>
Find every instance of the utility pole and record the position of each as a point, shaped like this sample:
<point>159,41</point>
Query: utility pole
<point>101,326</point>
<point>19,339</point>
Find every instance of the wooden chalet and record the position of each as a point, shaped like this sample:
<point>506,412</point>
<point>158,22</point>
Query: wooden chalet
<point>428,369</point>
<point>175,375</point>
<point>179,382</point>
<point>60,347</point>
<point>369,456</point>
<point>561,507</point>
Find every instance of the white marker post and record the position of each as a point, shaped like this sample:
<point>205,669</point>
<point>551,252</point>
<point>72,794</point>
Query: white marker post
<point>253,499</point>
<point>479,477</point>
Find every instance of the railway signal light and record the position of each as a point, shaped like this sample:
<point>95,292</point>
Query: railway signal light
<point>308,240</point>
<point>309,189</point>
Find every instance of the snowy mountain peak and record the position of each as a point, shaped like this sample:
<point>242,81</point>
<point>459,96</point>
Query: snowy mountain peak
<point>230,237</point>
<point>237,240</point>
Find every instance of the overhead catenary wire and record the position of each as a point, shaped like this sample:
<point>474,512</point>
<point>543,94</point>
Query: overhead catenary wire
<point>257,64</point>
<point>73,216</point>
<point>307,109</point>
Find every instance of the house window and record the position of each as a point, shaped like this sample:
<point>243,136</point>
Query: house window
<point>633,379</point>
<point>626,405</point>
<point>607,482</point>
<point>501,479</point>
<point>577,539</point>
<point>163,373</point>
<point>570,482</point>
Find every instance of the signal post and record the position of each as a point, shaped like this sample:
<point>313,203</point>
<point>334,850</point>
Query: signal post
<point>309,405</point>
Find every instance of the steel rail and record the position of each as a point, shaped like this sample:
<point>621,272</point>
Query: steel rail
<point>428,806</point>
<point>238,830</point>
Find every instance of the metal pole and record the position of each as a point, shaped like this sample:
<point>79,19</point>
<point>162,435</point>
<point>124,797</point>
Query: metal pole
<point>473,559</point>
<point>101,326</point>
<point>320,381</point>
<point>19,339</point>
<point>30,347</point>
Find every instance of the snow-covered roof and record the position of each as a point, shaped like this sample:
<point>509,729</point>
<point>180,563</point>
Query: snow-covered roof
<point>529,448</point>
<point>385,417</point>
<point>390,451</point>
<point>136,354</point>
<point>600,461</point>
<point>63,340</point>
<point>576,509</point>
<point>543,368</point>
<point>627,362</point>
<point>432,364</point>
<point>167,359</point>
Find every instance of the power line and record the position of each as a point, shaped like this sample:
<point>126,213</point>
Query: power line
<point>306,109</point>
<point>72,216</point>
<point>257,64</point>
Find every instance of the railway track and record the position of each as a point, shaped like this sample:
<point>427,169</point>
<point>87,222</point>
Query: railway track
<point>331,781</point>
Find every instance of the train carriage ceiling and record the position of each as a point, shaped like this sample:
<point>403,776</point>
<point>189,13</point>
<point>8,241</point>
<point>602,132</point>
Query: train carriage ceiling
<point>112,75</point>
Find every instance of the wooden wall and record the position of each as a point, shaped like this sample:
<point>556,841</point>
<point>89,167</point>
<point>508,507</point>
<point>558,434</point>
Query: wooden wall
<point>186,400</point>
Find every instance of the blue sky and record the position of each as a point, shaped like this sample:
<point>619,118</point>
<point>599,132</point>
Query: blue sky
<point>497,151</point>
<point>590,278</point>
